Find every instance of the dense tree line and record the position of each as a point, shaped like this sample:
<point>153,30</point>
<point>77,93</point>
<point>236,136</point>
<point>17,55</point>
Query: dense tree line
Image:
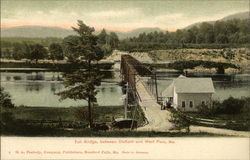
<point>216,35</point>
<point>35,49</point>
<point>9,42</point>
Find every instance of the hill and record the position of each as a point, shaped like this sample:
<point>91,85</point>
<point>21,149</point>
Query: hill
<point>241,15</point>
<point>44,32</point>
<point>35,32</point>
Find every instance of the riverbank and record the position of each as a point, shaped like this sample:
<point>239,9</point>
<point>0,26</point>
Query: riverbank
<point>49,121</point>
<point>236,56</point>
<point>48,65</point>
<point>160,59</point>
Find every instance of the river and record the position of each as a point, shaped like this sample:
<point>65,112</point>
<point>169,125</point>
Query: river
<point>40,88</point>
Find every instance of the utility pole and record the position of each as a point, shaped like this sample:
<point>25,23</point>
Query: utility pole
<point>156,88</point>
<point>126,102</point>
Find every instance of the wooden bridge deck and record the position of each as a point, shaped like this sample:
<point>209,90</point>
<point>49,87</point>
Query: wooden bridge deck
<point>157,118</point>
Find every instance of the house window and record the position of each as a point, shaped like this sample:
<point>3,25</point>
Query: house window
<point>191,104</point>
<point>183,104</point>
<point>171,99</point>
<point>203,103</point>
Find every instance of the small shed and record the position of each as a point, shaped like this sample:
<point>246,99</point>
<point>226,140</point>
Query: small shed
<point>187,94</point>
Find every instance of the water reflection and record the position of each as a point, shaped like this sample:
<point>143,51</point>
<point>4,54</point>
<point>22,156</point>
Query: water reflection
<point>33,87</point>
<point>53,88</point>
<point>112,89</point>
<point>36,77</point>
<point>8,78</point>
<point>102,89</point>
<point>40,88</point>
<point>16,78</point>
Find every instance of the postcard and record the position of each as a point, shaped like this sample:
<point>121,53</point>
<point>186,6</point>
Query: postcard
<point>107,79</point>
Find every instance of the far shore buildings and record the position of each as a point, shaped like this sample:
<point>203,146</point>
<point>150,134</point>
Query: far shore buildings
<point>187,94</point>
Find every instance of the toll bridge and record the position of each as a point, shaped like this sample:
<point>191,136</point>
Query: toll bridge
<point>141,83</point>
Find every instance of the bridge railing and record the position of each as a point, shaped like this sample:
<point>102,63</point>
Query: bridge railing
<point>131,68</point>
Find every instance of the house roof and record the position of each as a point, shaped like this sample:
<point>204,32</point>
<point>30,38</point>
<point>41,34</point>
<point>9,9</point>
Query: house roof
<point>184,84</point>
<point>169,91</point>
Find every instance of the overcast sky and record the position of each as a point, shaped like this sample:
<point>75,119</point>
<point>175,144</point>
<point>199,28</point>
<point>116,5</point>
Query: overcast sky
<point>120,15</point>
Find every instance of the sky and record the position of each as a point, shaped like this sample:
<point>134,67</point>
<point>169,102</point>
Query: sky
<point>118,15</point>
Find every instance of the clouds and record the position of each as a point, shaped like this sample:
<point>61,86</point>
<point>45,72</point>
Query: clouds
<point>119,15</point>
<point>130,12</point>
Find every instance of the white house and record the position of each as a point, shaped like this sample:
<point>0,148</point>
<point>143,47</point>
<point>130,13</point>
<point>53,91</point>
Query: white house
<point>187,93</point>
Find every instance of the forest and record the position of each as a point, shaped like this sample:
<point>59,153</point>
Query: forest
<point>221,34</point>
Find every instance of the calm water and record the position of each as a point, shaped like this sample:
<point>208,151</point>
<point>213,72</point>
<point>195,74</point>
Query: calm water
<point>40,88</point>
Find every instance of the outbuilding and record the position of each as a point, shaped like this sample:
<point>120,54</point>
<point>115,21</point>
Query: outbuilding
<point>187,94</point>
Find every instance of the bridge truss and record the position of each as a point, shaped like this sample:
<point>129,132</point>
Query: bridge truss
<point>132,71</point>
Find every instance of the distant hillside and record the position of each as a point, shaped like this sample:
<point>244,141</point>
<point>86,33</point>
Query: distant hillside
<point>241,15</point>
<point>136,32</point>
<point>35,32</point>
<point>43,32</point>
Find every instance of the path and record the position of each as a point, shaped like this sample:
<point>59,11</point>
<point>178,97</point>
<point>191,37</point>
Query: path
<point>157,118</point>
<point>219,131</point>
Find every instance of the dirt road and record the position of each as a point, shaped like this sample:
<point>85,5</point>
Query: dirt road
<point>157,118</point>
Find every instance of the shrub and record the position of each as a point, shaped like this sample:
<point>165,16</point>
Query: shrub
<point>81,113</point>
<point>180,120</point>
<point>232,105</point>
<point>205,110</point>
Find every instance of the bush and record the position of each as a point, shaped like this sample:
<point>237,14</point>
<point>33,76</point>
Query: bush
<point>180,120</point>
<point>206,111</point>
<point>232,105</point>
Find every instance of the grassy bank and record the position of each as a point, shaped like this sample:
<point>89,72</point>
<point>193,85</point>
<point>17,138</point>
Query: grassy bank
<point>20,118</point>
<point>103,113</point>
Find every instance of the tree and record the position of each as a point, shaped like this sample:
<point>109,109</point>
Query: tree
<point>6,113</point>
<point>5,99</point>
<point>114,40</point>
<point>67,48</point>
<point>56,52</point>
<point>102,37</point>
<point>18,51</point>
<point>81,84</point>
<point>207,31</point>
<point>6,53</point>
<point>221,38</point>
<point>38,52</point>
